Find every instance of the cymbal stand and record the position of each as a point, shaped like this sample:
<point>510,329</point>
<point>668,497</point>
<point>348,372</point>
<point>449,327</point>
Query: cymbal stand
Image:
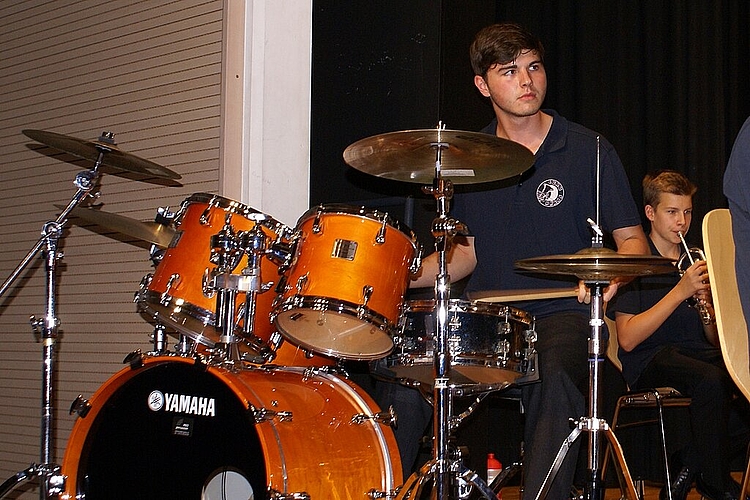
<point>593,424</point>
<point>52,482</point>
<point>443,467</point>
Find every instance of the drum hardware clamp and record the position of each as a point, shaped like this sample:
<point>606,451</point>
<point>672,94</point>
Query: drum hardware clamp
<point>387,417</point>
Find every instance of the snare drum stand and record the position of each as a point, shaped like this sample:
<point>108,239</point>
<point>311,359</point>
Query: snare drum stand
<point>446,469</point>
<point>52,482</point>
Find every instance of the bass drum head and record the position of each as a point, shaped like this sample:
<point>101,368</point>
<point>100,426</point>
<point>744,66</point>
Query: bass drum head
<point>171,427</point>
<point>137,448</point>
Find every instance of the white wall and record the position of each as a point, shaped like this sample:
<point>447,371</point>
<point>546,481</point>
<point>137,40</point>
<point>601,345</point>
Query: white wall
<point>266,136</point>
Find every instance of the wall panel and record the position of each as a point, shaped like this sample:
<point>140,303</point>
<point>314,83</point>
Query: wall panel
<point>149,71</point>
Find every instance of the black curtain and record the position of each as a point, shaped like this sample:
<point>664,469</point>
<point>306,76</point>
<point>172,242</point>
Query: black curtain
<point>665,81</point>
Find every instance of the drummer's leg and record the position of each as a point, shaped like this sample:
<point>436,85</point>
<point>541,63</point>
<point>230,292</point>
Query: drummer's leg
<point>551,403</point>
<point>414,415</point>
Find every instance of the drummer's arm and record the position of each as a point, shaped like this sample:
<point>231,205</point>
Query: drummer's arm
<point>630,240</point>
<point>461,259</point>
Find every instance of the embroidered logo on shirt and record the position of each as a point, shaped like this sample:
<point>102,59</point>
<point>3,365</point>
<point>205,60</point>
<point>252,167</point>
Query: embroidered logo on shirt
<point>550,193</point>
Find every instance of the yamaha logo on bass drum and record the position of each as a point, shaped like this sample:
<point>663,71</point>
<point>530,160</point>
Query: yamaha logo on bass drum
<point>182,403</point>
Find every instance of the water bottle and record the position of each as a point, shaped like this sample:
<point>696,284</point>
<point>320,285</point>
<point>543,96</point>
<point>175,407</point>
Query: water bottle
<point>494,467</point>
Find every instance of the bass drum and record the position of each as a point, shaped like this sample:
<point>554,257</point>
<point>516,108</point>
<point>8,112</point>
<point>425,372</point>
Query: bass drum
<point>171,427</point>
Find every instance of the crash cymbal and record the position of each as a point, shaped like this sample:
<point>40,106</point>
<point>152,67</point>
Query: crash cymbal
<point>90,150</point>
<point>597,264</point>
<point>151,232</point>
<point>466,157</point>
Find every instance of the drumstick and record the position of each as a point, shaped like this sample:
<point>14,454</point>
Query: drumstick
<point>519,295</point>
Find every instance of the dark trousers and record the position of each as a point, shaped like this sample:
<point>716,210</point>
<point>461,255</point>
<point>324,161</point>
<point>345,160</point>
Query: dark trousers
<point>718,420</point>
<point>562,344</point>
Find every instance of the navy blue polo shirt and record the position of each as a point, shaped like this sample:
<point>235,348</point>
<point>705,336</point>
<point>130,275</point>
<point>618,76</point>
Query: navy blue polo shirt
<point>544,212</point>
<point>683,327</point>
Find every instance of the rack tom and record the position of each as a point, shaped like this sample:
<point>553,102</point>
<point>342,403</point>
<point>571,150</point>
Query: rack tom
<point>345,285</point>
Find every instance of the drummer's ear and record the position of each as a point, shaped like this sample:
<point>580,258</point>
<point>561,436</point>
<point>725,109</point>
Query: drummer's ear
<point>481,84</point>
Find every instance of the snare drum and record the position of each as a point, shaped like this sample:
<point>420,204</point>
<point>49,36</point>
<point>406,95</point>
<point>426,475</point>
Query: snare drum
<point>346,282</point>
<point>489,343</point>
<point>173,428</point>
<point>175,295</point>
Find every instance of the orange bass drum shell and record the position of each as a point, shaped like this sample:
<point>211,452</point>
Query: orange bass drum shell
<point>174,428</point>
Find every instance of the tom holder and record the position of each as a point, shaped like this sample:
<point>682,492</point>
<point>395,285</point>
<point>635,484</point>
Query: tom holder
<point>227,250</point>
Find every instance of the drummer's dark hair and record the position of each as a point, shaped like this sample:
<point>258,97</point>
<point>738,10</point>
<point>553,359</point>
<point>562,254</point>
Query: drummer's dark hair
<point>500,44</point>
<point>666,181</point>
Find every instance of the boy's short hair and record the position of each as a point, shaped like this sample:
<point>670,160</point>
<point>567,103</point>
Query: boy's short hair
<point>666,181</point>
<point>500,44</point>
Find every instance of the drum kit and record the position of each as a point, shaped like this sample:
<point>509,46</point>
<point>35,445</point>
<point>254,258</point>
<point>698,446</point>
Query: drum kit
<point>263,314</point>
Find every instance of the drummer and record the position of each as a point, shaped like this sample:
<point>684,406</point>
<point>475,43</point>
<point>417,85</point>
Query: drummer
<point>544,212</point>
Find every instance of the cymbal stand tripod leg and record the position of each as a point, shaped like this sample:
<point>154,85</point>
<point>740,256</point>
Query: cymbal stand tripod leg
<point>52,482</point>
<point>593,425</point>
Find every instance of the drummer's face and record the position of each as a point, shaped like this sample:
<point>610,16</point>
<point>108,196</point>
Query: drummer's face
<point>516,88</point>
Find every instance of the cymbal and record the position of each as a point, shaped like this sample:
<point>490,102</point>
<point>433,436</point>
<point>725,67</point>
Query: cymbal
<point>597,264</point>
<point>466,157</point>
<point>90,150</point>
<point>151,232</point>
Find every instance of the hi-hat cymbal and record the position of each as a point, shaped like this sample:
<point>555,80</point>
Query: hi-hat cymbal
<point>597,264</point>
<point>466,157</point>
<point>90,150</point>
<point>149,231</point>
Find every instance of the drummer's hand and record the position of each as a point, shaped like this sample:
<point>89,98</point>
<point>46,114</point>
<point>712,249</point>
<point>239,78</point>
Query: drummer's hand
<point>584,292</point>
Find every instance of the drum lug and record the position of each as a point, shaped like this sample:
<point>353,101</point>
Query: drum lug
<point>208,285</point>
<point>388,417</point>
<point>277,495</point>
<point>264,415</point>
<point>134,359</point>
<point>380,238</point>
<point>166,298</point>
<point>204,217</point>
<point>375,494</point>
<point>81,406</point>
<point>416,263</point>
<point>530,337</point>
<point>366,294</point>
<point>316,223</point>
<point>301,284</point>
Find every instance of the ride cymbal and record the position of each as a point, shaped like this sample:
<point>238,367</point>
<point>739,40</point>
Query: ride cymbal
<point>112,156</point>
<point>151,232</point>
<point>597,264</point>
<point>466,157</point>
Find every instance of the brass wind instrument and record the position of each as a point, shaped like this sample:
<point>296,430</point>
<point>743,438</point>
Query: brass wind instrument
<point>689,256</point>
